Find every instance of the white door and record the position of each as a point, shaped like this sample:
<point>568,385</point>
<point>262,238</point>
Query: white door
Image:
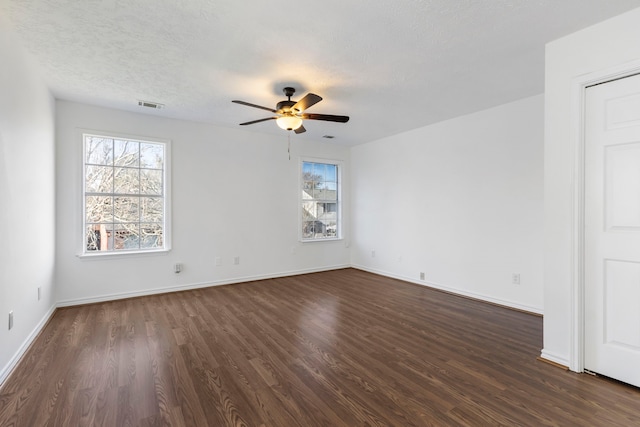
<point>612,230</point>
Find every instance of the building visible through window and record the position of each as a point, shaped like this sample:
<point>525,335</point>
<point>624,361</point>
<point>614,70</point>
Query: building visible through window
<point>320,200</point>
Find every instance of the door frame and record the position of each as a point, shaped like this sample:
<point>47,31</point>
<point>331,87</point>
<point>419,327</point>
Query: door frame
<point>578,121</point>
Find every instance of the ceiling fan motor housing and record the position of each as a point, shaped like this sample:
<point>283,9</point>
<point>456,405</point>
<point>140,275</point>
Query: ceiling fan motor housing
<point>284,107</point>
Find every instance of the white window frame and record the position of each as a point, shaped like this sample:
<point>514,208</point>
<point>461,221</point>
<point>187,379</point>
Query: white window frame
<point>166,180</point>
<point>340,166</point>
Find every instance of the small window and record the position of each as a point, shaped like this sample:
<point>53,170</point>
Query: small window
<point>124,195</point>
<point>320,218</point>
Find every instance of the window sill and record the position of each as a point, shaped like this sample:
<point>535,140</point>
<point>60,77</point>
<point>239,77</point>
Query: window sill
<point>326,239</point>
<point>122,254</point>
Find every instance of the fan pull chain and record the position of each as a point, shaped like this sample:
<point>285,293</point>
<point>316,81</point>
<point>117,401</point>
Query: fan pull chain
<point>289,144</point>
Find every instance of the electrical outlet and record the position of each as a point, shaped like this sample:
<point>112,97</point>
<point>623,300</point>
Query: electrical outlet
<point>515,278</point>
<point>10,320</point>
<point>373,254</point>
<point>218,261</point>
<point>236,260</point>
<point>421,275</point>
<point>177,268</point>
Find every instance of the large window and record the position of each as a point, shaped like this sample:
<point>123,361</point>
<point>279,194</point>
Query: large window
<point>125,195</point>
<point>320,200</point>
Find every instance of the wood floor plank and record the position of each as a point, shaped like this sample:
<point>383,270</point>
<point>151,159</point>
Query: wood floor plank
<point>339,348</point>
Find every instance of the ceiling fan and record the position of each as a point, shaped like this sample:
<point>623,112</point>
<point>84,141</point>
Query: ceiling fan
<point>290,114</point>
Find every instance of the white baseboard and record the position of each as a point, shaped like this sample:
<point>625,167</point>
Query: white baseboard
<point>155,291</point>
<point>505,303</point>
<point>8,368</point>
<point>555,358</point>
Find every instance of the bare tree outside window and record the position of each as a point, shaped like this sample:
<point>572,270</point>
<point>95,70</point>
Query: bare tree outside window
<point>124,200</point>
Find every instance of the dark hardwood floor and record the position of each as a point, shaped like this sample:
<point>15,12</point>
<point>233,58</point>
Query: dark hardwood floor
<point>340,348</point>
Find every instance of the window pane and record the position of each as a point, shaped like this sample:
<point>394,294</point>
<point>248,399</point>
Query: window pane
<point>330,228</point>
<point>327,211</point>
<point>319,171</point>
<point>126,181</point>
<point>312,229</point>
<point>150,181</point>
<point>307,168</point>
<point>324,194</point>
<point>126,209</point>
<point>91,239</point>
<point>126,237</point>
<point>331,173</point>
<point>126,153</point>
<point>308,229</point>
<point>333,186</point>
<point>151,236</point>
<point>151,155</point>
<point>99,179</point>
<point>151,209</point>
<point>99,150</point>
<point>308,211</point>
<point>99,209</point>
<point>100,237</point>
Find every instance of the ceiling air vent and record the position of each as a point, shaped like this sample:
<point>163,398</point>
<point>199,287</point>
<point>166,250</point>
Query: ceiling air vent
<point>150,104</point>
<point>328,136</point>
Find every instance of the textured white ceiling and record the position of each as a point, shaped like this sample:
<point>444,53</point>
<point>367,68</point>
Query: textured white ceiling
<point>390,65</point>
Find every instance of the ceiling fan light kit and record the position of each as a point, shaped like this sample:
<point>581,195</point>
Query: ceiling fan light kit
<point>289,122</point>
<point>289,114</point>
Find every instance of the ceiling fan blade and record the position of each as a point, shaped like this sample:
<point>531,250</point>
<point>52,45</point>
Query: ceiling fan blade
<point>306,102</point>
<point>326,117</point>
<point>301,129</point>
<point>254,106</point>
<point>257,121</point>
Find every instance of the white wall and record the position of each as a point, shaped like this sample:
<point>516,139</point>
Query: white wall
<point>598,49</point>
<point>27,227</point>
<point>460,200</point>
<point>235,193</point>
